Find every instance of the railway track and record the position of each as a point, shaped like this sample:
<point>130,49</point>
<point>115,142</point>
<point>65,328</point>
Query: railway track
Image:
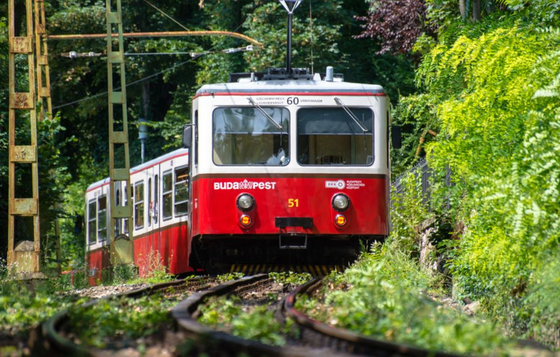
<point>56,338</point>
<point>311,337</point>
<point>318,334</point>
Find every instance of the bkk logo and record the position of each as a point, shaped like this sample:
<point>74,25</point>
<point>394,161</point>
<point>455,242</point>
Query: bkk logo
<point>244,185</point>
<point>340,184</point>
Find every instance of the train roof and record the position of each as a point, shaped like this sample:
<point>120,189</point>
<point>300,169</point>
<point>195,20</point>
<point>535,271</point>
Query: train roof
<point>147,164</point>
<point>301,86</point>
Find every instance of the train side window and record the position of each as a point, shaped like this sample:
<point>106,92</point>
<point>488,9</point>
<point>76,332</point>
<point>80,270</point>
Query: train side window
<point>150,202</point>
<point>156,198</point>
<point>181,191</point>
<point>92,221</point>
<point>118,221</point>
<point>139,205</point>
<point>196,137</point>
<point>125,199</point>
<point>167,193</point>
<point>102,218</point>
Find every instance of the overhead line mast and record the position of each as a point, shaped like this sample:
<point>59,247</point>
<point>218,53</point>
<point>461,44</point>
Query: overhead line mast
<point>122,251</point>
<point>23,259</point>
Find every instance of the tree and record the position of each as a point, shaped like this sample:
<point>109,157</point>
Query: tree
<point>396,23</point>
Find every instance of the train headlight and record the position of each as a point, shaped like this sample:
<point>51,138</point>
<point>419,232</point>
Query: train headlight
<point>245,220</point>
<point>340,202</point>
<point>245,202</point>
<point>340,220</point>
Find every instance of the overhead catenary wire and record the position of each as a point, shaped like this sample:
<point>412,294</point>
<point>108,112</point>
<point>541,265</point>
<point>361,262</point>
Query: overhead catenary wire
<point>227,51</point>
<point>194,55</point>
<point>166,15</point>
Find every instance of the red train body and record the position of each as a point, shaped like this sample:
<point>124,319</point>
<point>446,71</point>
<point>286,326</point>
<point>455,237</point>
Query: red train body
<point>279,171</point>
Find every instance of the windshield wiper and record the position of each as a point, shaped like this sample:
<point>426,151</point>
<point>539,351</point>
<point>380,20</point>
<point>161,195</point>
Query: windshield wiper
<point>349,112</point>
<point>264,113</point>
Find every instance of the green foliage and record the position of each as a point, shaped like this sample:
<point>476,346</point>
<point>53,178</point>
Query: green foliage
<point>290,278</point>
<point>24,306</point>
<point>388,297</point>
<point>491,93</point>
<point>258,324</point>
<point>122,319</point>
<point>408,212</point>
<point>229,277</point>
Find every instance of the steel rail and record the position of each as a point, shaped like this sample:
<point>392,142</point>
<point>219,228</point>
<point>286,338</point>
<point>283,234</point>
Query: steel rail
<point>318,334</point>
<point>158,34</point>
<point>185,315</point>
<point>57,345</point>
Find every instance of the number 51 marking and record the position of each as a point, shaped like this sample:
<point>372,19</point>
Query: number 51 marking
<point>293,202</point>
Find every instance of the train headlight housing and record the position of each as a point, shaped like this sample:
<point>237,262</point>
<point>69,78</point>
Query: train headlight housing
<point>340,202</point>
<point>245,202</point>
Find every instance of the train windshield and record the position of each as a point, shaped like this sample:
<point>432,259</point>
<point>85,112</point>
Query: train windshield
<point>332,136</point>
<point>251,136</point>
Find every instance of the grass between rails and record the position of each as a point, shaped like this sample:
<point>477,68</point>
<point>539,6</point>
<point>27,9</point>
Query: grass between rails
<point>120,321</point>
<point>258,324</point>
<point>255,322</point>
<point>386,295</point>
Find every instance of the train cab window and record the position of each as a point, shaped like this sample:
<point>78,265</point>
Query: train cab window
<point>331,136</point>
<point>181,191</point>
<point>139,205</point>
<point>92,221</point>
<point>251,136</point>
<point>102,218</point>
<point>167,193</point>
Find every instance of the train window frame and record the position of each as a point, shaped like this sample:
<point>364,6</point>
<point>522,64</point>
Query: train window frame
<point>175,184</point>
<point>100,213</point>
<point>297,130</point>
<point>90,219</point>
<point>165,193</point>
<point>139,201</point>
<point>283,161</point>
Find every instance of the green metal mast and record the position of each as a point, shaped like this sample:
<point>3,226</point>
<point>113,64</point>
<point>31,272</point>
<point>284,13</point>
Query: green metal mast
<point>122,251</point>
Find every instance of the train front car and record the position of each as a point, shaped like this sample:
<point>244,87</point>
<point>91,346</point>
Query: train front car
<point>288,171</point>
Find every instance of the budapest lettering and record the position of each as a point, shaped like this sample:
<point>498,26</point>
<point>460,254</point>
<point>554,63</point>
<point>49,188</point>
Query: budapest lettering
<point>244,185</point>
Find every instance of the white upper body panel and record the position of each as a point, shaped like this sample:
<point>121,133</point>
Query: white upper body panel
<point>292,95</point>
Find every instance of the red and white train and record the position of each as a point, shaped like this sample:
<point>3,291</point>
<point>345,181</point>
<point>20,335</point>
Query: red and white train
<point>275,170</point>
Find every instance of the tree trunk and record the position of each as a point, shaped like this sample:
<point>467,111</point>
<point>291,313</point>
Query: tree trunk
<point>462,8</point>
<point>476,11</point>
<point>146,100</point>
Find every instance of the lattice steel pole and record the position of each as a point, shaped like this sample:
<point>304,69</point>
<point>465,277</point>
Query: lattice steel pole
<point>43,72</point>
<point>44,92</point>
<point>122,251</point>
<point>26,254</point>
